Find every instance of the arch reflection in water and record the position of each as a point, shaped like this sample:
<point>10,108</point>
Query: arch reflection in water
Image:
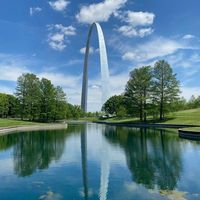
<point>105,167</point>
<point>105,170</point>
<point>153,158</point>
<point>84,160</point>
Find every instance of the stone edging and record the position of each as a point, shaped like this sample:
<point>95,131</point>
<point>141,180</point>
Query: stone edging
<point>141,125</point>
<point>189,134</point>
<point>7,130</point>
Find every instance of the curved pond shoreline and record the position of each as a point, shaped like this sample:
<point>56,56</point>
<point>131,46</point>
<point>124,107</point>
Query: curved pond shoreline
<point>8,130</point>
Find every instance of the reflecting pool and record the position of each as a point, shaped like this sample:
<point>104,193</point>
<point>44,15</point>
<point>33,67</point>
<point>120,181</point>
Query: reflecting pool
<point>93,161</point>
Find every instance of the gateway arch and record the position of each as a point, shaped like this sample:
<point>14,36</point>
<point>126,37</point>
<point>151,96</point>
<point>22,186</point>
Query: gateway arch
<point>104,67</point>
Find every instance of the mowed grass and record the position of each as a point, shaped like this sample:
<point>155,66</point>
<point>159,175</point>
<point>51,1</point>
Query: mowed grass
<point>192,129</point>
<point>186,117</point>
<point>14,122</point>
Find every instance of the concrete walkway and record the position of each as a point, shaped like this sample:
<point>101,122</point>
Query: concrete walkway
<point>8,130</point>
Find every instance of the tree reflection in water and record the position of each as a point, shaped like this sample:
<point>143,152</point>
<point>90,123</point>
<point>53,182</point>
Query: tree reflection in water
<point>36,150</point>
<point>153,156</point>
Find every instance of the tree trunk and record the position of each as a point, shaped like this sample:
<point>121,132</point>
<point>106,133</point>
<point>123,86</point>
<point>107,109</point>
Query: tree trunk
<point>145,107</point>
<point>162,96</point>
<point>161,110</point>
<point>141,111</point>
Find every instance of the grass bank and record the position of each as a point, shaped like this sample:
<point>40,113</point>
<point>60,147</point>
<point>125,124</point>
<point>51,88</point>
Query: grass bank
<point>14,122</point>
<point>186,117</point>
<point>192,129</point>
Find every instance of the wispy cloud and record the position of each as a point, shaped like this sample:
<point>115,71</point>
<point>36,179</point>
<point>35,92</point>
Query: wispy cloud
<point>83,50</point>
<point>130,31</point>
<point>59,5</point>
<point>156,48</point>
<point>187,92</point>
<point>99,12</point>
<point>11,67</point>
<point>137,18</point>
<point>58,36</point>
<point>61,79</point>
<point>188,36</point>
<point>34,10</point>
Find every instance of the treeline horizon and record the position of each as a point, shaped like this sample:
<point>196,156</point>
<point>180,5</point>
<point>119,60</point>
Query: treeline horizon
<point>37,100</point>
<point>151,92</point>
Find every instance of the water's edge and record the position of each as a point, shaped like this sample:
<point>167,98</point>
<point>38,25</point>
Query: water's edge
<point>9,130</point>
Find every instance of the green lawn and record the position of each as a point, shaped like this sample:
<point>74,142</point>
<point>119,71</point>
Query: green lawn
<point>13,122</point>
<point>190,117</point>
<point>186,117</point>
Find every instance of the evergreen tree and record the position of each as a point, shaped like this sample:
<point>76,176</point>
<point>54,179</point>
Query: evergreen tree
<point>138,91</point>
<point>47,100</point>
<point>60,103</point>
<point>4,105</point>
<point>165,87</point>
<point>13,106</point>
<point>28,94</point>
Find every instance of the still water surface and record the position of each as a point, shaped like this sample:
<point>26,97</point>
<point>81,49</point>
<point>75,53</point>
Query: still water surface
<point>99,162</point>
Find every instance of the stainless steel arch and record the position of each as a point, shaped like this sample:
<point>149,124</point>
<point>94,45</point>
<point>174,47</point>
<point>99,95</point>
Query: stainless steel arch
<point>104,67</point>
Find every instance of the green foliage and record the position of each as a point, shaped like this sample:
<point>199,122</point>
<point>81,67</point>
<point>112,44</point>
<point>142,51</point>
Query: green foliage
<point>9,106</point>
<point>60,103</point>
<point>138,91</point>
<point>74,112</point>
<point>3,105</point>
<point>112,105</point>
<point>179,104</point>
<point>121,112</point>
<point>47,100</point>
<point>40,99</point>
<point>13,106</point>
<point>165,87</point>
<point>150,91</point>
<point>193,102</point>
<point>28,94</point>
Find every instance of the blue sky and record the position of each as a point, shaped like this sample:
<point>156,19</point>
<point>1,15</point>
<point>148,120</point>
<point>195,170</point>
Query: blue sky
<point>48,38</point>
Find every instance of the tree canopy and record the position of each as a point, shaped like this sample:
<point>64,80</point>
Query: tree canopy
<point>150,91</point>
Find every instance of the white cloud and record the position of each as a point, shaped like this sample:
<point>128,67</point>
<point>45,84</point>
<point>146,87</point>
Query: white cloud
<point>57,38</point>
<point>61,79</point>
<point>99,12</point>
<point>130,31</point>
<point>139,18</point>
<point>11,72</point>
<point>34,10</point>
<point>145,31</point>
<point>95,86</point>
<point>11,67</point>
<point>91,50</point>
<point>59,5</point>
<point>70,83</point>
<point>187,92</point>
<point>156,48</point>
<point>135,23</point>
<point>188,36</point>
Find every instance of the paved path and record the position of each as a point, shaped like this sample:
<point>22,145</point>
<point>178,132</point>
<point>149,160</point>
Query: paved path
<point>7,130</point>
